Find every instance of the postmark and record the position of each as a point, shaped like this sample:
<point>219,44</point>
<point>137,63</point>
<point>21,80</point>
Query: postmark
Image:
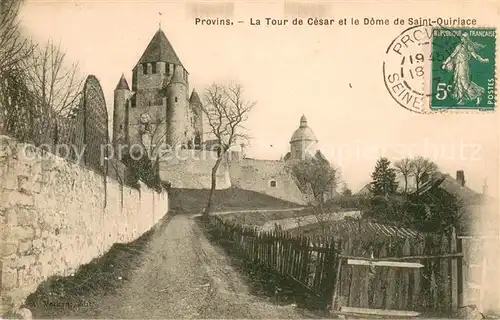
<point>406,61</point>
<point>465,79</point>
<point>417,77</point>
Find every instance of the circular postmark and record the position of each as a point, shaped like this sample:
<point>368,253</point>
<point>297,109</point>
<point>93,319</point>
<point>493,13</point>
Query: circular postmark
<point>408,67</point>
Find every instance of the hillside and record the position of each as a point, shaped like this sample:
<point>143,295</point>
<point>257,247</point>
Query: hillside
<point>194,200</point>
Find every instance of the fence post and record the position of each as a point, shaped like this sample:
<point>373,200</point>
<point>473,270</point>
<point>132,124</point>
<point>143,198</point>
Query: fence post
<point>462,275</point>
<point>336,288</point>
<point>454,271</point>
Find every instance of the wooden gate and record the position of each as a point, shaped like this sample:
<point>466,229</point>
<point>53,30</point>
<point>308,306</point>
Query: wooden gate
<point>405,285</point>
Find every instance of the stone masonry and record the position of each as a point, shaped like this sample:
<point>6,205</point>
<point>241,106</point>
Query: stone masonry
<point>56,215</point>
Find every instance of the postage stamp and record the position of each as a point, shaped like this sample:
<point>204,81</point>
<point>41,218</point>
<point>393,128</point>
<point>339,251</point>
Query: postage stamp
<point>463,77</point>
<point>434,69</point>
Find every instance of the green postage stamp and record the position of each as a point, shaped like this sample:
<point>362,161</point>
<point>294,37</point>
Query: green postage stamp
<point>463,68</point>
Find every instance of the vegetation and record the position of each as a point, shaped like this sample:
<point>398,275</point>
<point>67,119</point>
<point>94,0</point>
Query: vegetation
<point>37,87</point>
<point>346,192</point>
<point>315,177</point>
<point>433,211</point>
<point>226,111</point>
<point>383,178</point>
<point>194,200</point>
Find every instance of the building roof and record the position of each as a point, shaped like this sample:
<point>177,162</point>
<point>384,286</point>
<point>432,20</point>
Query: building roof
<point>194,99</point>
<point>122,83</point>
<point>303,133</point>
<point>159,49</point>
<point>452,186</point>
<point>364,191</point>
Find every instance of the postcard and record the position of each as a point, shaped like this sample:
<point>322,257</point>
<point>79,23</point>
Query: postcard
<point>249,159</point>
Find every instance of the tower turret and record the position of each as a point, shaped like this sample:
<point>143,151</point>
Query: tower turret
<point>177,108</point>
<point>196,107</point>
<point>120,111</point>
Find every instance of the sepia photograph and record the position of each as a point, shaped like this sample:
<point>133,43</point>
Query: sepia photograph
<point>236,159</point>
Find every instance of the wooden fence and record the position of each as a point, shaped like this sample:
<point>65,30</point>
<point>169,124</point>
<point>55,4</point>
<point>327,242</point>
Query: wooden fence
<point>418,273</point>
<point>411,274</point>
<point>310,266</point>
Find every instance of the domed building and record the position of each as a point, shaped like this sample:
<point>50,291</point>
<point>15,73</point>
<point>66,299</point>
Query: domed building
<point>303,142</point>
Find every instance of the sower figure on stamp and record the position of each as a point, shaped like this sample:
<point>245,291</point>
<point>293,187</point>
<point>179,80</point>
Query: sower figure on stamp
<point>463,88</point>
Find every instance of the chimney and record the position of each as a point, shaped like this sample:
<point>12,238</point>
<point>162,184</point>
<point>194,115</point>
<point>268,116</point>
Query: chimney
<point>461,177</point>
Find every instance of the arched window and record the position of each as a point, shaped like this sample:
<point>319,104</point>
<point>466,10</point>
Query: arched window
<point>272,183</point>
<point>176,99</point>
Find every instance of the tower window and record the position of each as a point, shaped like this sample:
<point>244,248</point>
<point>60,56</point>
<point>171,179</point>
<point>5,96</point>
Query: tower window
<point>153,68</point>
<point>176,99</point>
<point>121,126</point>
<point>145,68</point>
<point>272,183</point>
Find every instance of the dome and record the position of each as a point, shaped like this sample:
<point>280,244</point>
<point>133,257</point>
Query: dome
<point>303,133</point>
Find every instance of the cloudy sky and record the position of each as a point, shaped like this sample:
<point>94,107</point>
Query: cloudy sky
<point>332,74</point>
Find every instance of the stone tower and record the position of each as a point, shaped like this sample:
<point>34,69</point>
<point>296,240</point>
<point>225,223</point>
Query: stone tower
<point>177,103</point>
<point>120,112</point>
<point>157,109</point>
<point>303,142</point>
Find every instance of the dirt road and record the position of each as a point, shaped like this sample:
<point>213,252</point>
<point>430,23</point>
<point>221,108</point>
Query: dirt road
<point>184,276</point>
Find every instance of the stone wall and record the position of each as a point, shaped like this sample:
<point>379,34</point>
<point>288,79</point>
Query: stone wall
<point>56,215</point>
<point>191,169</point>
<point>269,177</point>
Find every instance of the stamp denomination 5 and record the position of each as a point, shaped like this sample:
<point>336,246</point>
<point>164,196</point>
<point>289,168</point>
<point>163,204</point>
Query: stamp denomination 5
<point>430,69</point>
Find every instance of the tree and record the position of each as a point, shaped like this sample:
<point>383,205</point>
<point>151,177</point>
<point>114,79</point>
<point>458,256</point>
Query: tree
<point>315,176</point>
<point>226,110</point>
<point>405,168</point>
<point>383,178</point>
<point>16,116</point>
<point>56,86</point>
<point>436,210</point>
<point>346,191</point>
<point>422,168</point>
<point>13,47</point>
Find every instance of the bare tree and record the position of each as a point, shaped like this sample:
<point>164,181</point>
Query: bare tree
<point>13,46</point>
<point>15,99</point>
<point>405,168</point>
<point>422,168</point>
<point>56,86</point>
<point>226,110</point>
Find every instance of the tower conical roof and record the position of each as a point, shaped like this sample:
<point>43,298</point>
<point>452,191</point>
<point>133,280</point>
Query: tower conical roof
<point>122,84</point>
<point>160,49</point>
<point>194,99</point>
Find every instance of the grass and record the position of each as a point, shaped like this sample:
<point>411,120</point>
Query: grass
<point>79,295</point>
<point>194,200</point>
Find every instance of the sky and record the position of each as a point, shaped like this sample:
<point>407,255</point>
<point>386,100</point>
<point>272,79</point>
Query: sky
<point>331,74</point>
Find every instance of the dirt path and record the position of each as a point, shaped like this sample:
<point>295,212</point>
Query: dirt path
<point>184,276</point>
